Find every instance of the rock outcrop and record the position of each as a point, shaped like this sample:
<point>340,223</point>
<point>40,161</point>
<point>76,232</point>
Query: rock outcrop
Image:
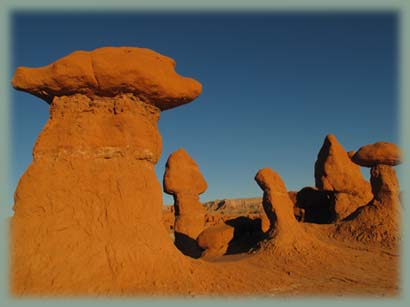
<point>336,173</point>
<point>378,221</point>
<point>184,181</point>
<point>87,212</point>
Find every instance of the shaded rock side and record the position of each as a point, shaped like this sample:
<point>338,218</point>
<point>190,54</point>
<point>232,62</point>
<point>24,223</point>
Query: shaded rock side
<point>317,205</point>
<point>335,172</point>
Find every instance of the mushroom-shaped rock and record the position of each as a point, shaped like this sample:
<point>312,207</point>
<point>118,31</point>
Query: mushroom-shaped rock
<point>378,221</point>
<point>185,182</point>
<point>378,153</point>
<point>87,212</point>
<point>215,240</point>
<point>108,72</point>
<point>336,173</point>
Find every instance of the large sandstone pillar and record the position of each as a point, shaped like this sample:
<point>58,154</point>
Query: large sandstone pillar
<point>87,213</point>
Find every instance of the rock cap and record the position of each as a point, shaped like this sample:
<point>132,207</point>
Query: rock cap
<point>269,180</point>
<point>110,71</point>
<point>182,175</point>
<point>378,153</point>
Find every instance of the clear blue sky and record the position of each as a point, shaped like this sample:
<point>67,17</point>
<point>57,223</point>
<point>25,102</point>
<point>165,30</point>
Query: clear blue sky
<point>273,86</point>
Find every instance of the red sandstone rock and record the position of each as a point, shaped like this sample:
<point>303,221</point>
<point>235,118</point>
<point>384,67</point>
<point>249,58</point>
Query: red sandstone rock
<point>378,221</point>
<point>182,175</point>
<point>108,72</point>
<point>276,201</point>
<point>378,153</point>
<point>335,172</point>
<point>87,212</point>
<point>184,180</point>
<point>214,240</point>
<point>288,238</point>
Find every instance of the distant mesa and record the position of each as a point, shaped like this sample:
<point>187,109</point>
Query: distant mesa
<point>108,72</point>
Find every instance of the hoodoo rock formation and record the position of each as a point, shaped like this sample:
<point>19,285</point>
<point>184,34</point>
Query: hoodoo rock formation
<point>87,213</point>
<point>276,202</point>
<point>185,182</point>
<point>378,221</point>
<point>288,237</point>
<point>336,173</point>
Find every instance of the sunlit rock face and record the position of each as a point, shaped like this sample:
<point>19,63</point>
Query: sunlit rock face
<point>183,179</point>
<point>88,210</point>
<point>336,173</point>
<point>379,221</point>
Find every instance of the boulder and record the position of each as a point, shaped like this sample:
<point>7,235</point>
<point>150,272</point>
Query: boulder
<point>215,240</point>
<point>378,153</point>
<point>87,212</point>
<point>336,173</point>
<point>108,72</point>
